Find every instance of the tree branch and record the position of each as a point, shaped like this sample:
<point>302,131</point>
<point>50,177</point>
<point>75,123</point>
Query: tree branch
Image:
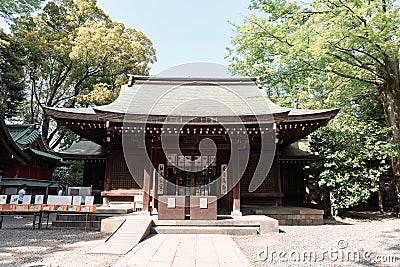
<point>58,141</point>
<point>341,74</point>
<point>363,21</point>
<point>351,63</point>
<point>273,36</point>
<point>36,95</point>
<point>51,135</point>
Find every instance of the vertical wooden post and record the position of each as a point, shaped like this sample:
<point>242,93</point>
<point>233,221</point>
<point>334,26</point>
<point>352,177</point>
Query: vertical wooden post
<point>153,191</point>
<point>107,178</point>
<point>277,177</point>
<point>109,165</point>
<point>146,189</point>
<point>147,180</point>
<point>108,175</point>
<point>235,172</point>
<point>236,200</point>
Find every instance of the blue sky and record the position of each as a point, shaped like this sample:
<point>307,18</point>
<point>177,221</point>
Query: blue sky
<point>181,31</point>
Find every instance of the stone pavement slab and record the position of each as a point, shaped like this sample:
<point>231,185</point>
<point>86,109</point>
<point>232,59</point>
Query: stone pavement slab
<point>185,250</point>
<point>129,234</point>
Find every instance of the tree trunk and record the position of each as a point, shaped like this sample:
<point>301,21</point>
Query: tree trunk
<point>32,118</point>
<point>380,200</point>
<point>46,126</point>
<point>57,142</point>
<point>391,105</point>
<point>332,201</point>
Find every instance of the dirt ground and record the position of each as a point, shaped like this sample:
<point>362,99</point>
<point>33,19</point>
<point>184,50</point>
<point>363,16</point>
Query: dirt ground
<point>22,246</point>
<point>347,242</point>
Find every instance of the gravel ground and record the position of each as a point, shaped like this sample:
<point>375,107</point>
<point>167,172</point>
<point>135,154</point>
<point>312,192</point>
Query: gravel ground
<point>348,242</point>
<point>327,245</point>
<point>22,246</point>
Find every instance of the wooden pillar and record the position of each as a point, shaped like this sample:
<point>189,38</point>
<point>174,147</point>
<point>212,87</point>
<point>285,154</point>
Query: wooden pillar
<point>276,173</point>
<point>108,178</point>
<point>277,178</point>
<point>235,172</point>
<point>236,200</point>
<point>147,179</point>
<point>109,165</point>
<point>153,191</point>
<point>146,189</point>
<point>108,174</point>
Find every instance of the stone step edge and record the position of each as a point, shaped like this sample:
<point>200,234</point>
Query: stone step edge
<point>205,227</point>
<point>205,230</point>
<point>76,222</point>
<point>208,226</point>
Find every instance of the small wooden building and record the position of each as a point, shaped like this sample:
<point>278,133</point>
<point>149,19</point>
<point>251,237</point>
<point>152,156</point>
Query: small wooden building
<point>107,126</point>
<point>94,159</point>
<point>25,157</point>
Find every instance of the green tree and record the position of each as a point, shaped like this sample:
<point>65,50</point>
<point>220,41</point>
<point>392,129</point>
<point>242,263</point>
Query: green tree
<point>10,8</point>
<point>71,46</point>
<point>11,75</point>
<point>333,49</point>
<point>71,172</point>
<point>350,154</point>
<point>100,95</point>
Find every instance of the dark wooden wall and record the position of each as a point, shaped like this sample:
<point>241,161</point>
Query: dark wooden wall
<point>94,173</point>
<point>37,169</point>
<point>292,173</point>
<point>118,175</point>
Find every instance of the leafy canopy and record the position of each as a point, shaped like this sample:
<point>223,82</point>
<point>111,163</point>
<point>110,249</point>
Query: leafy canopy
<point>71,46</point>
<point>11,75</point>
<point>71,172</point>
<point>331,53</point>
<point>351,159</point>
<point>10,8</point>
<point>327,51</point>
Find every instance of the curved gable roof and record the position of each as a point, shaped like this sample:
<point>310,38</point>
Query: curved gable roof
<point>199,97</point>
<point>25,135</point>
<point>9,144</point>
<point>160,97</point>
<point>83,149</point>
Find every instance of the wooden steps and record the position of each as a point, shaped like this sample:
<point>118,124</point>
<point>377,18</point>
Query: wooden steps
<point>74,220</point>
<point>89,225</point>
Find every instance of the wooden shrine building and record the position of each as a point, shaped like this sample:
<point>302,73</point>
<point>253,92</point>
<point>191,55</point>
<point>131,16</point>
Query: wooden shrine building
<point>25,158</point>
<point>139,119</point>
<point>94,162</point>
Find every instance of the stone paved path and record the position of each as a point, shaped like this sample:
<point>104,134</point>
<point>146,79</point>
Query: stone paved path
<point>185,250</point>
<point>131,232</point>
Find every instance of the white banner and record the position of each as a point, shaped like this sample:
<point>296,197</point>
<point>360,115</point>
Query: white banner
<point>160,179</point>
<point>224,179</point>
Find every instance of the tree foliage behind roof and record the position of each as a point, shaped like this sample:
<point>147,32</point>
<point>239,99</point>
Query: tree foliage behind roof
<point>71,46</point>
<point>71,172</point>
<point>11,75</point>
<point>10,8</point>
<point>331,53</point>
<point>352,158</point>
<point>319,52</point>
